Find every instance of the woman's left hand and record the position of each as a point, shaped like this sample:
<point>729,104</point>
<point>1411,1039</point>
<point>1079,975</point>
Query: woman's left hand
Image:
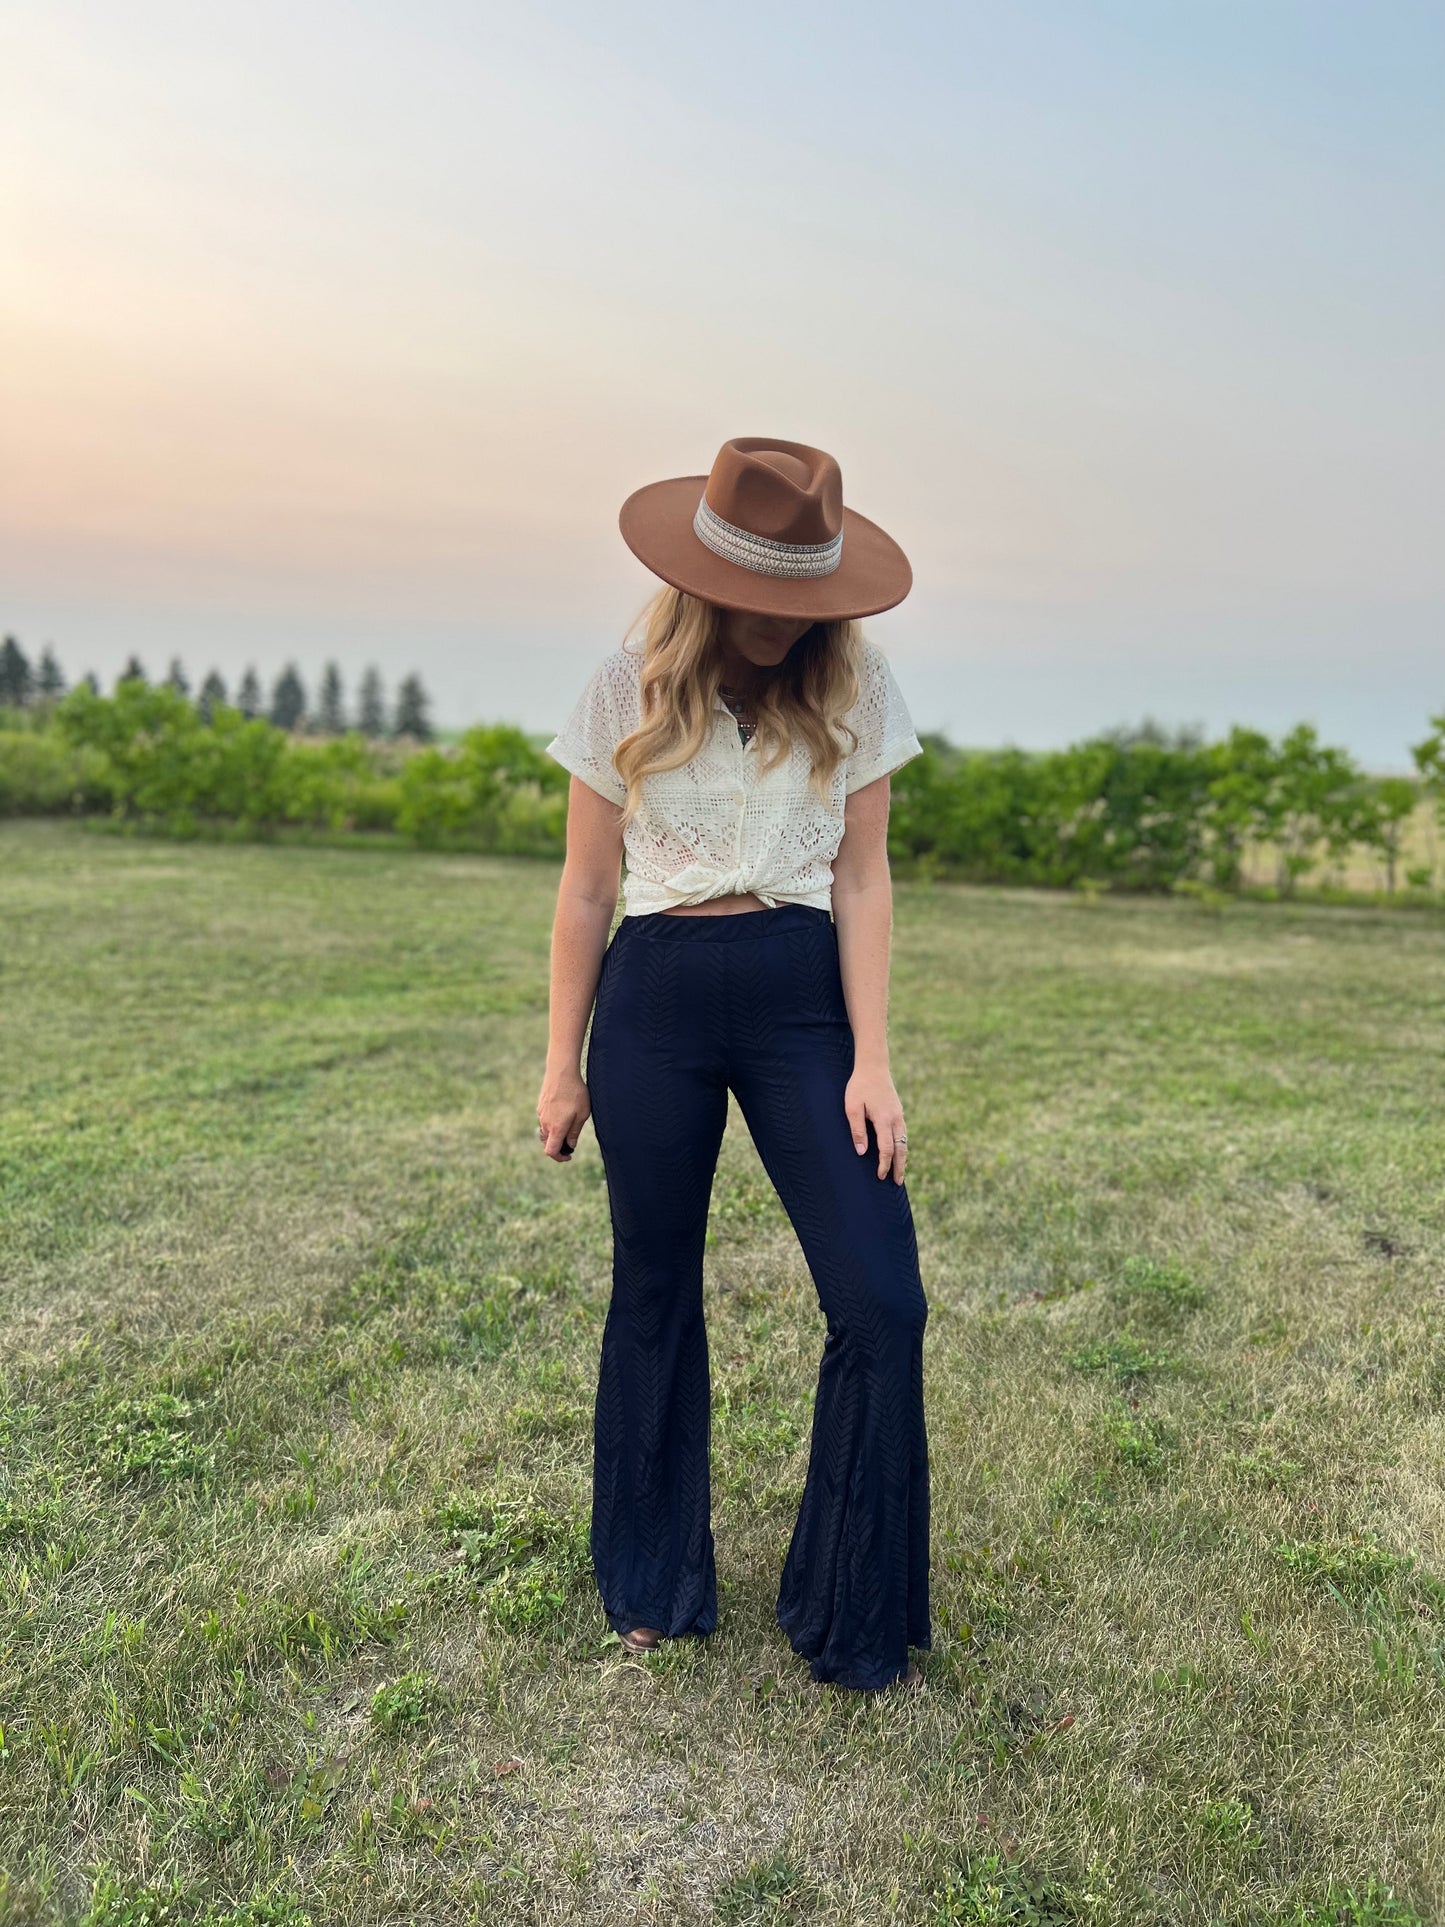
<point>870,1096</point>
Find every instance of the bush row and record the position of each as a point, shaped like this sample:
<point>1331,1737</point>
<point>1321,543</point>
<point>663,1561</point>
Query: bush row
<point>147,754</point>
<point>1136,812</point>
<point>1144,814</point>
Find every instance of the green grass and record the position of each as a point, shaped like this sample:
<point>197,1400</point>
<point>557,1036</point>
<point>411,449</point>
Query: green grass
<point>298,1339</point>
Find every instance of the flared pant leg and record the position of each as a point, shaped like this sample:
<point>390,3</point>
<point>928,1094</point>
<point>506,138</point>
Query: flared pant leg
<point>686,1009</point>
<point>659,1108</point>
<point>854,1592</point>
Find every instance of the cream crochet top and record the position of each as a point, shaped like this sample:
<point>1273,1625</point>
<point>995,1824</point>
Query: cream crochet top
<point>716,826</point>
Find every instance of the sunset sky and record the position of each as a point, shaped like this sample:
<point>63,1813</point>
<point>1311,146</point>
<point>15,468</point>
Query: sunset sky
<point>343,330</point>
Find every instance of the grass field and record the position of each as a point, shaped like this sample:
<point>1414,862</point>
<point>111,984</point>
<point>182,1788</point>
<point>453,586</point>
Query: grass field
<point>299,1335</point>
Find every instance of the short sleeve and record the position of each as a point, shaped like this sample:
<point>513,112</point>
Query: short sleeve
<point>596,726</point>
<point>886,737</point>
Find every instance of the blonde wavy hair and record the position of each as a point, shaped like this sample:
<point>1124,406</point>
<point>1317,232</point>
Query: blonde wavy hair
<point>805,700</point>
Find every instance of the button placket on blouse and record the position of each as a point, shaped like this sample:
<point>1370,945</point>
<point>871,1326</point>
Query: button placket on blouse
<point>739,751</point>
<point>740,796</point>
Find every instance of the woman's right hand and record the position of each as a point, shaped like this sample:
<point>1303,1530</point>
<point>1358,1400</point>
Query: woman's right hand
<point>562,1109</point>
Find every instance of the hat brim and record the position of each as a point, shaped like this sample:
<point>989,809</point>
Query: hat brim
<point>656,523</point>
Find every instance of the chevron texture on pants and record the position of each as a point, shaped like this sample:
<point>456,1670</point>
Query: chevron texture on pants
<point>687,1009</point>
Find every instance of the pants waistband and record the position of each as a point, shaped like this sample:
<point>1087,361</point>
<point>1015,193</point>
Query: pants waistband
<point>736,926</point>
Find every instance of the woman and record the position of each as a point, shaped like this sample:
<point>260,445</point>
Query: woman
<point>741,760</point>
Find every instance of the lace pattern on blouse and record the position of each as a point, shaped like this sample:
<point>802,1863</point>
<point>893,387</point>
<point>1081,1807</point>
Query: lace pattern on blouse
<point>716,826</point>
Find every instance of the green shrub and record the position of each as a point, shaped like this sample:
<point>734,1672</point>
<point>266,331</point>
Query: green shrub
<point>493,792</point>
<point>43,775</point>
<point>166,763</point>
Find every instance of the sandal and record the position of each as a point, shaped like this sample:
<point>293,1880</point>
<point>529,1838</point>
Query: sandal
<point>641,1639</point>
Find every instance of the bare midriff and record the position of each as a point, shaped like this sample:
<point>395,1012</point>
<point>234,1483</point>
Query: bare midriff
<point>716,906</point>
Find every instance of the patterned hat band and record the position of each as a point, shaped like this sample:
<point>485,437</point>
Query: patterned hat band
<point>761,553</point>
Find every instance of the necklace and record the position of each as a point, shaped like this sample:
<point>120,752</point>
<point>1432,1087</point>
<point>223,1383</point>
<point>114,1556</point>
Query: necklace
<point>739,704</point>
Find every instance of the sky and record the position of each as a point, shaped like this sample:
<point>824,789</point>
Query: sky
<point>342,331</point>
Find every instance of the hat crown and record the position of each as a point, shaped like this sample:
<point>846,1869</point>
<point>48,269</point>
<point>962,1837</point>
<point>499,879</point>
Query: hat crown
<point>782,491</point>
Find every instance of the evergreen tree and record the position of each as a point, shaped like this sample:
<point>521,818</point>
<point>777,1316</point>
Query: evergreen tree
<point>288,699</point>
<point>412,704</point>
<point>51,679</point>
<point>331,711</point>
<point>1154,733</point>
<point>213,691</point>
<point>17,679</point>
<point>90,681</point>
<point>176,678</point>
<point>133,671</point>
<point>248,701</point>
<point>372,711</point>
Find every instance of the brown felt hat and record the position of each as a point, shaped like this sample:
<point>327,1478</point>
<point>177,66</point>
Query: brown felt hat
<point>767,532</point>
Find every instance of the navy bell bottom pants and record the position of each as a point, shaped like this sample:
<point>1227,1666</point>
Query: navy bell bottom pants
<point>687,1009</point>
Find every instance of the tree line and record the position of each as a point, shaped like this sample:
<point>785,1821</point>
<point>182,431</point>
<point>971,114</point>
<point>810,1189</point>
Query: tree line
<point>288,705</point>
<point>1136,809</point>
